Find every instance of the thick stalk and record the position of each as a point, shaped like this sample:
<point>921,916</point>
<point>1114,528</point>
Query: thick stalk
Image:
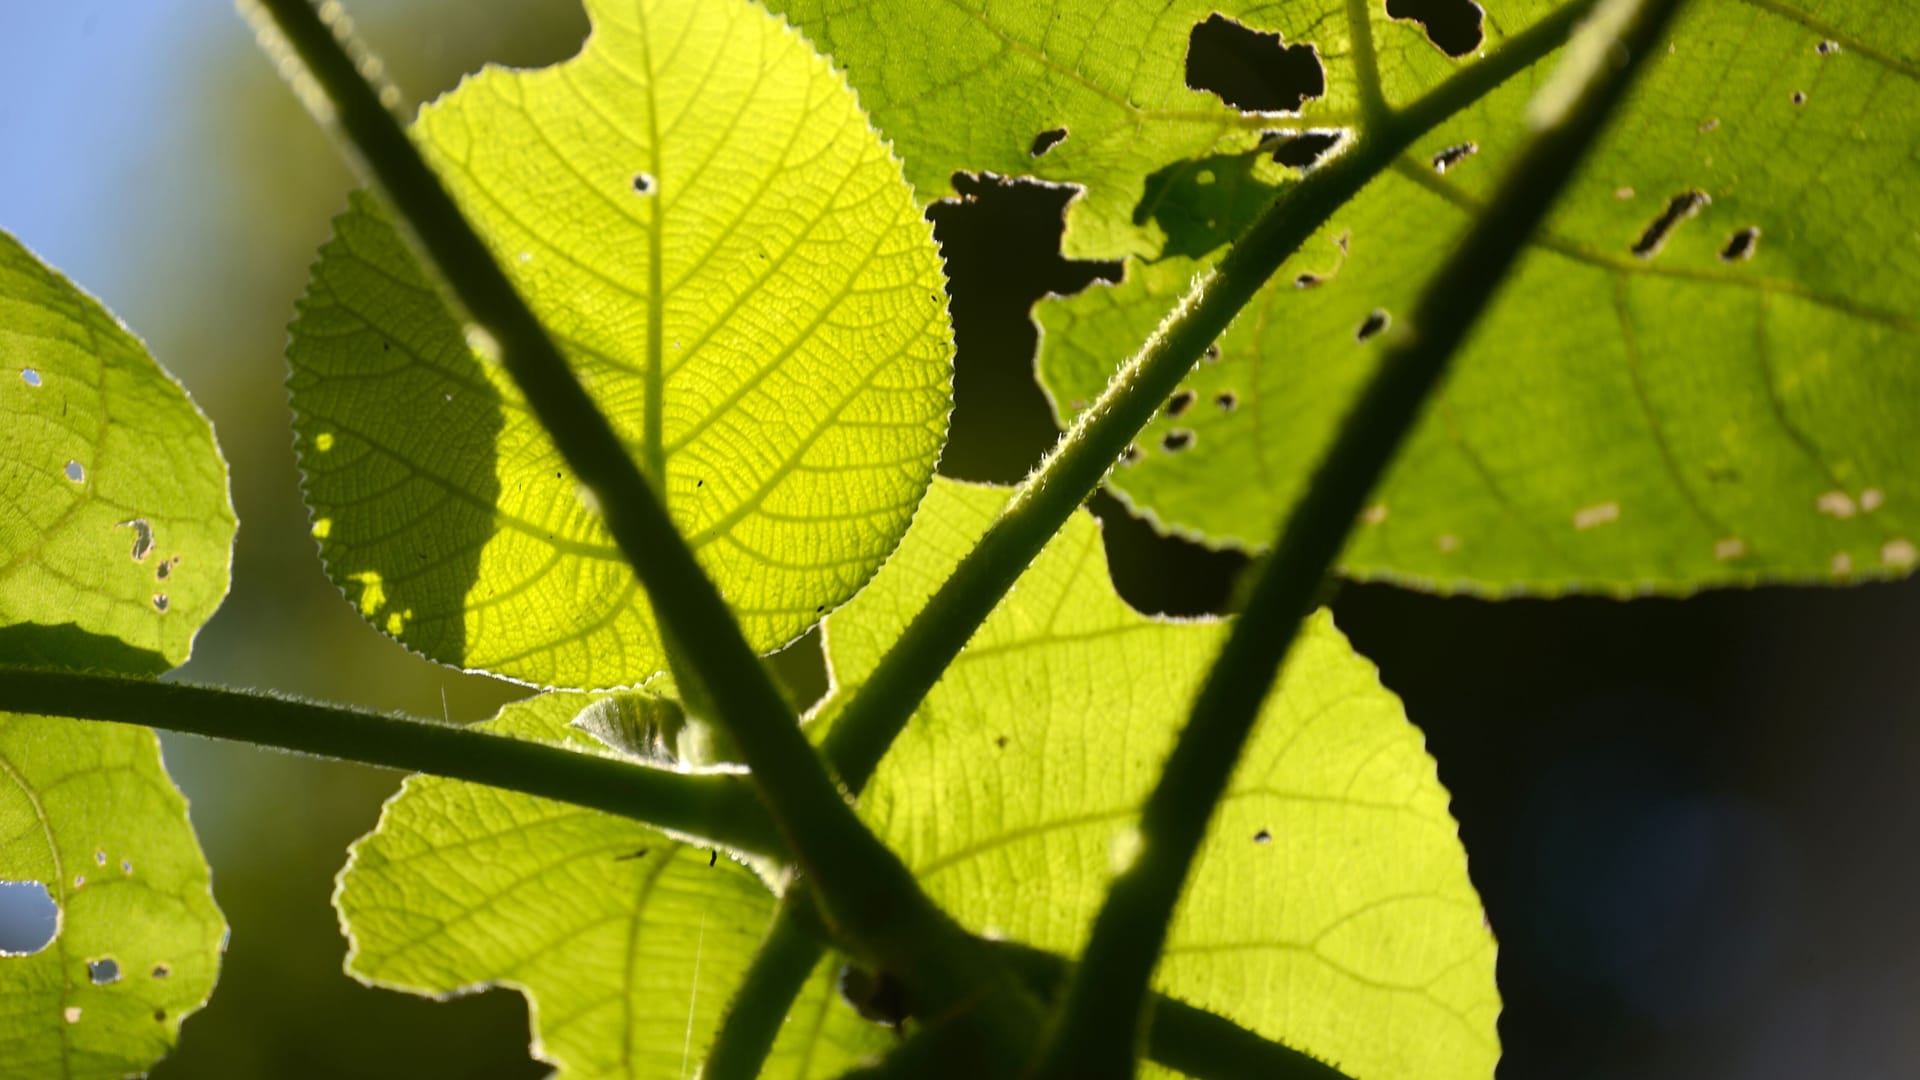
<point>760,1006</point>
<point>1098,1034</point>
<point>864,889</point>
<point>1084,455</point>
<point>714,807</point>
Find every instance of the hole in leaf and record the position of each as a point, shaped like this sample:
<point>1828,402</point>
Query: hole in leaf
<point>1176,440</point>
<point>1741,244</point>
<point>1131,455</point>
<point>1263,837</point>
<point>1307,281</point>
<point>1375,322</point>
<point>1452,25</point>
<point>103,971</point>
<point>1679,208</point>
<point>76,472</point>
<point>163,571</point>
<point>1179,402</point>
<point>160,602</point>
<point>1001,240</point>
<point>29,918</point>
<point>31,376</point>
<point>1227,400</point>
<point>1251,70</point>
<point>100,858</point>
<point>142,538</point>
<point>1300,150</point>
<point>1827,48</point>
<point>1799,97</point>
<point>1454,155</point>
<point>161,971</point>
<point>643,184</point>
<point>1046,141</point>
<point>1211,353</point>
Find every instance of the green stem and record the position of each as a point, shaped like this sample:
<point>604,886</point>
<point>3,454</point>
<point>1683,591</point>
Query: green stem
<point>1183,1037</point>
<point>864,887</point>
<point>1100,1021</point>
<point>1080,461</point>
<point>760,1006</point>
<point>714,807</point>
<point>1366,67</point>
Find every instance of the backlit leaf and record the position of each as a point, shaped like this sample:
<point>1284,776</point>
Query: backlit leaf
<point>626,943</point>
<point>1330,907</point>
<point>702,215</point>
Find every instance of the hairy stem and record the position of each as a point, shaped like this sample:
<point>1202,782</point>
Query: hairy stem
<point>864,888</point>
<point>1081,460</point>
<point>759,1007</point>
<point>715,807</point>
<point>1101,1019</point>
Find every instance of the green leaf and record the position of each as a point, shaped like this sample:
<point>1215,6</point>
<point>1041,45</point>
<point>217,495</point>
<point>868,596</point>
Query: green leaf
<point>116,531</point>
<point>1722,408</point>
<point>626,943</point>
<point>700,212</point>
<point>87,812</point>
<point>114,550</point>
<point>1330,908</point>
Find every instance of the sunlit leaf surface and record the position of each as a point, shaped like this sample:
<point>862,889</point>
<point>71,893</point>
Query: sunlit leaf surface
<point>115,527</point>
<point>699,210</point>
<point>627,944</point>
<point>1330,907</point>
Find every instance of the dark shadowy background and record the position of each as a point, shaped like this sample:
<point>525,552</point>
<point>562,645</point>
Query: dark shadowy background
<point>1691,820</point>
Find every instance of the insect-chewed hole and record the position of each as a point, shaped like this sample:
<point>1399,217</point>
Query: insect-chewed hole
<point>29,918</point>
<point>1679,208</point>
<point>1131,455</point>
<point>31,376</point>
<point>160,602</point>
<point>1211,354</point>
<point>76,472</point>
<point>644,184</point>
<point>1176,440</point>
<point>1741,245</point>
<point>1452,25</point>
<point>1799,97</point>
<point>142,538</point>
<point>1252,70</point>
<point>1827,48</point>
<point>1454,155</point>
<point>1180,402</point>
<point>161,971</point>
<point>103,971</point>
<point>1301,149</point>
<point>1046,141</point>
<point>1263,837</point>
<point>1376,321</point>
<point>1227,400</point>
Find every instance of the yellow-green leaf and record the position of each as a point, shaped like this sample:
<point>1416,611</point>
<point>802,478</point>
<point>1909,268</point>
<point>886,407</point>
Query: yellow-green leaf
<point>87,814</point>
<point>115,527</point>
<point>700,212</point>
<point>1330,907</point>
<point>626,943</point>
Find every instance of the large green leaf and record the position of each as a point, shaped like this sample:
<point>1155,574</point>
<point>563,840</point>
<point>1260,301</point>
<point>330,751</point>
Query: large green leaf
<point>701,213</point>
<point>1330,907</point>
<point>87,812</point>
<point>626,943</point>
<point>971,84</point>
<point>115,528</point>
<point>1715,411</point>
<point>1726,408</point>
